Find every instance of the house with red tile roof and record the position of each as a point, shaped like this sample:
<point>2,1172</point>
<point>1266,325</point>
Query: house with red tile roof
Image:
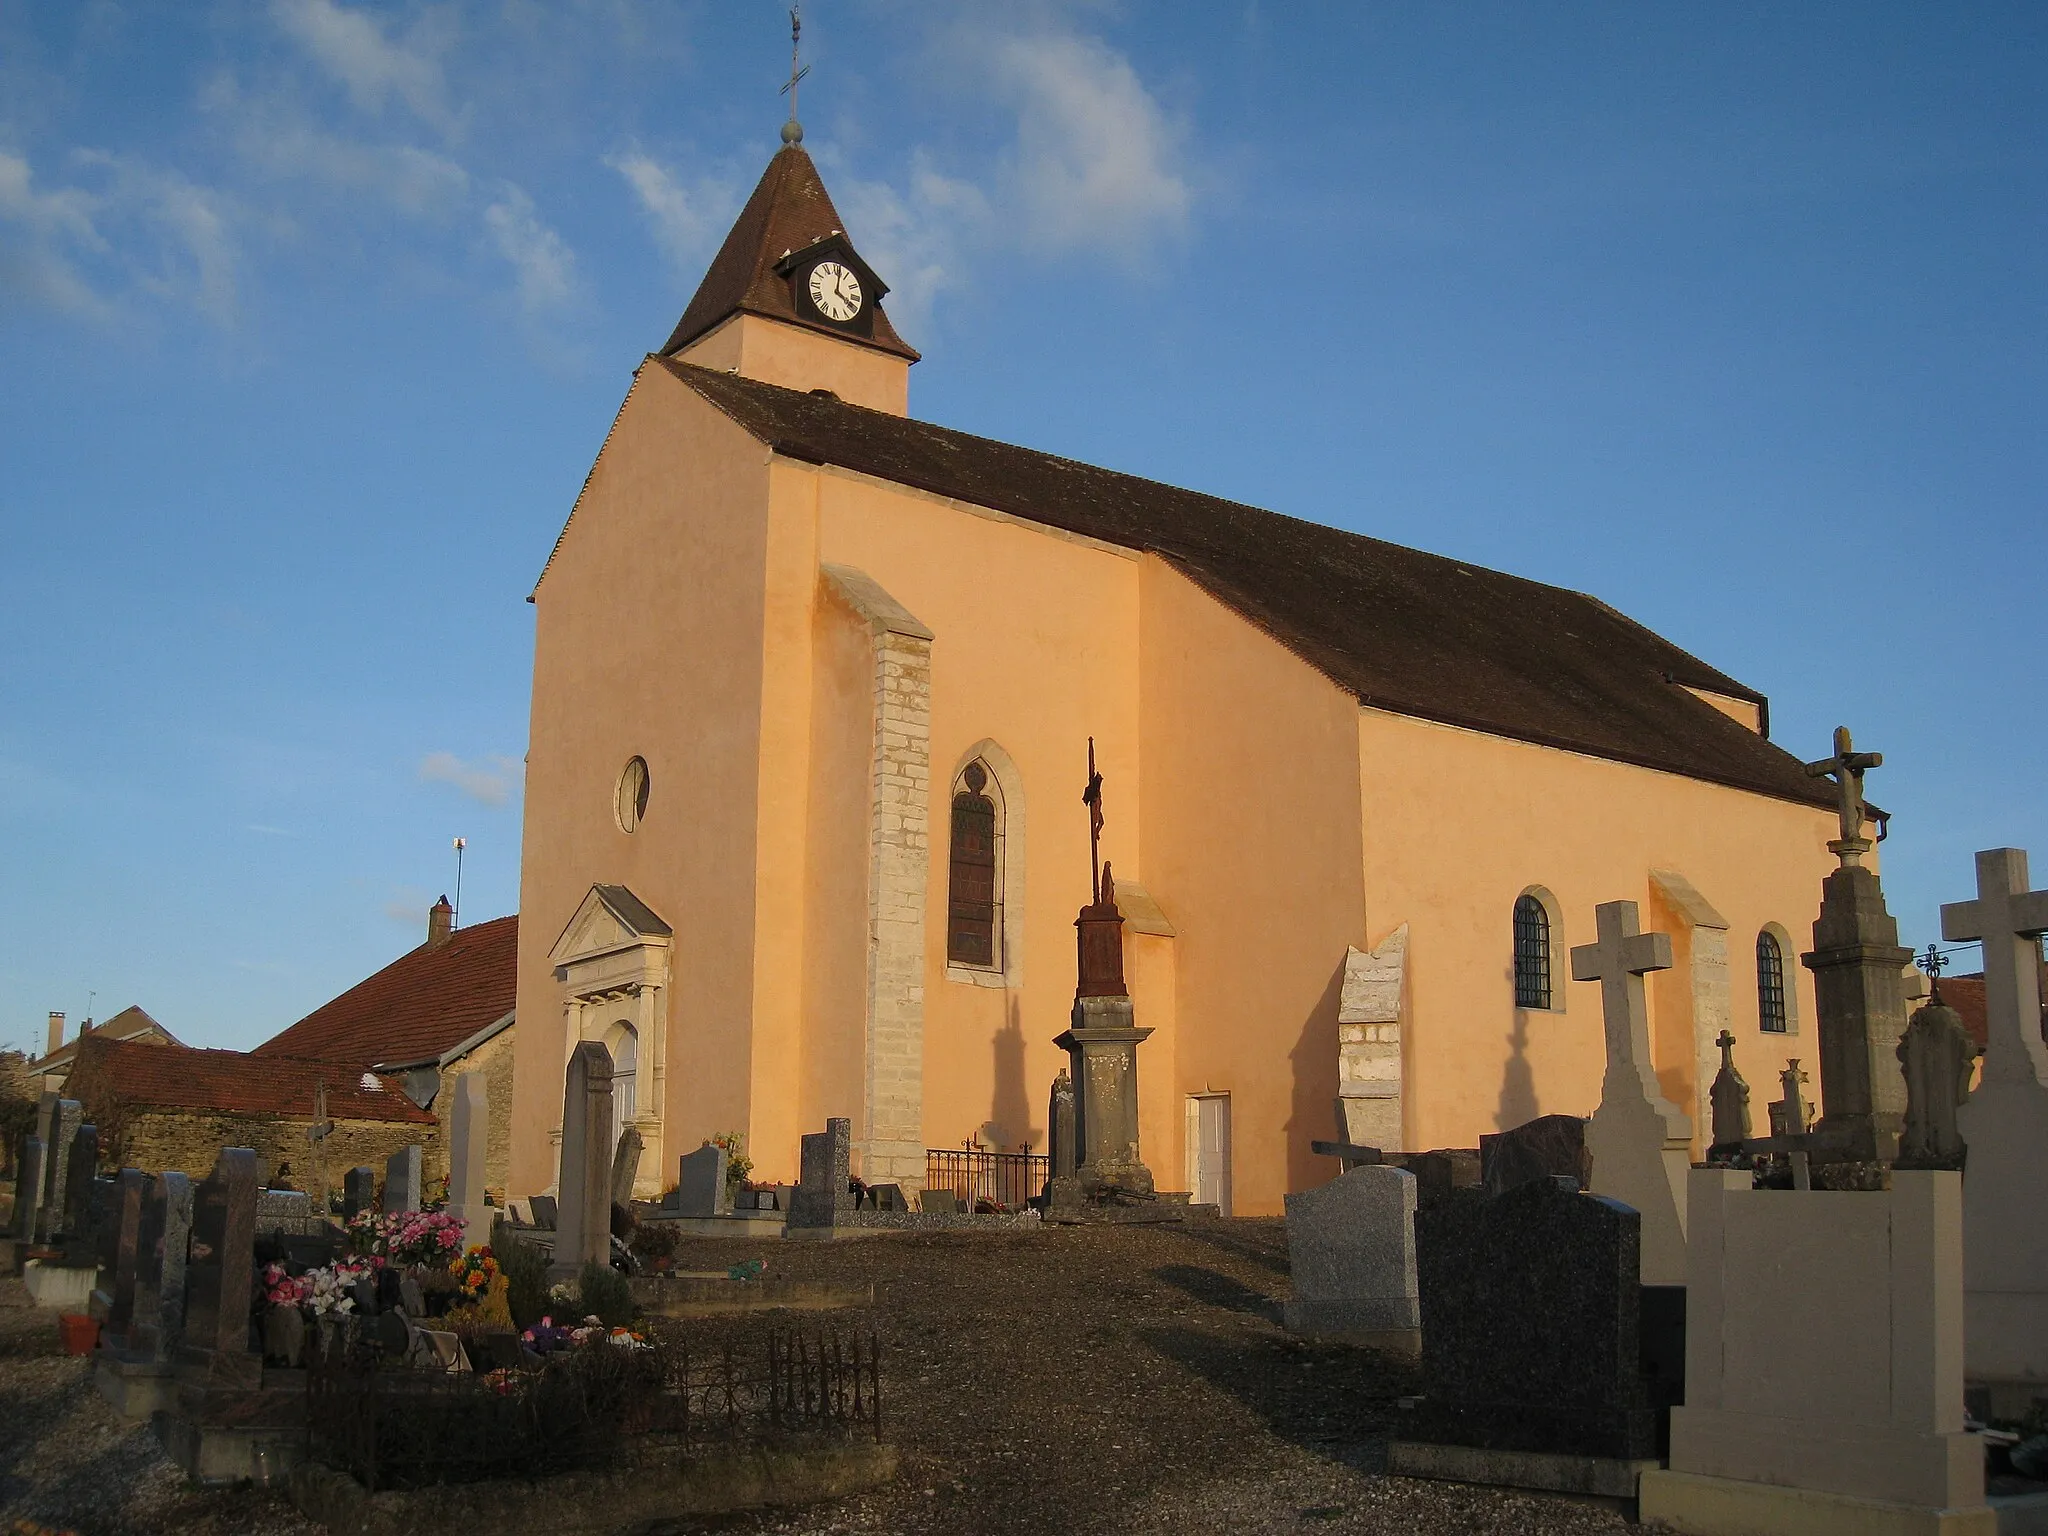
<point>436,1011</point>
<point>175,1109</point>
<point>47,1073</point>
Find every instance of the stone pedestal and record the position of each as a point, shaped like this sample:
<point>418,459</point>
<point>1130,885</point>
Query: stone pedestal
<point>1856,963</point>
<point>1102,1047</point>
<point>1824,1364</point>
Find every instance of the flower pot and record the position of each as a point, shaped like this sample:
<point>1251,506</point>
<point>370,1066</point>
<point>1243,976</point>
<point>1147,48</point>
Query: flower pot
<point>80,1334</point>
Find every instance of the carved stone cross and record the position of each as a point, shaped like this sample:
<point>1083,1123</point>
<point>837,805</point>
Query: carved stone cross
<point>2010,920</point>
<point>1847,768</point>
<point>1618,961</point>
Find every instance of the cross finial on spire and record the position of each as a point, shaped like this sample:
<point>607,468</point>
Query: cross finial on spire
<point>793,131</point>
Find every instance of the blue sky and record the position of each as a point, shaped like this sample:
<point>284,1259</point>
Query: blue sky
<point>313,315</point>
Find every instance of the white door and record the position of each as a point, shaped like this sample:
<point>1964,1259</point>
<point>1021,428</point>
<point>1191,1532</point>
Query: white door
<point>1209,1150</point>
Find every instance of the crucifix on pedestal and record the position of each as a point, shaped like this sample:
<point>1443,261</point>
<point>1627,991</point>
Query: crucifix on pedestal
<point>1847,768</point>
<point>1641,1143</point>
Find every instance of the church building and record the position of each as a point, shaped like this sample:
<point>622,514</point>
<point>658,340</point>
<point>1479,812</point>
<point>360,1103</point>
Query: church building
<point>814,689</point>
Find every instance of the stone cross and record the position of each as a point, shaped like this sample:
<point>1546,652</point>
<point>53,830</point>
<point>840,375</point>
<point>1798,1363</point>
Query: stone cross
<point>2010,920</point>
<point>1847,768</point>
<point>1620,959</point>
<point>1730,1099</point>
<point>1639,1140</point>
<point>469,1136</point>
<point>583,1226</point>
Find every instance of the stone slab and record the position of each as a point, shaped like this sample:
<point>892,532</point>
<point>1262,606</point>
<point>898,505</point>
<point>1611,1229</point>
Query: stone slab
<point>59,1287</point>
<point>1361,1325</point>
<point>701,1187</point>
<point>137,1388</point>
<point>1546,1147</point>
<point>1601,1476</point>
<point>720,1295</point>
<point>1695,1505</point>
<point>1351,1253</point>
<point>877,1223</point>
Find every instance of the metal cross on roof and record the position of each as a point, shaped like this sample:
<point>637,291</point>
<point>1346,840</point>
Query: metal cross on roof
<point>793,131</point>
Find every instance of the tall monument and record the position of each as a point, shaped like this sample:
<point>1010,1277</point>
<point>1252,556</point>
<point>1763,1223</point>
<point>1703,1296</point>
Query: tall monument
<point>1102,1041</point>
<point>1857,962</point>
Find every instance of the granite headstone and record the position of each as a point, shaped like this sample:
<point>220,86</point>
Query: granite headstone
<point>162,1248</point>
<point>220,1273</point>
<point>1550,1146</point>
<point>1351,1251</point>
<point>358,1192</point>
<point>823,1194</point>
<point>402,1180</point>
<point>700,1182</point>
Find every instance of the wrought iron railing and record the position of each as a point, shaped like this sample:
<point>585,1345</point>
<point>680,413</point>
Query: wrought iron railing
<point>1004,1179</point>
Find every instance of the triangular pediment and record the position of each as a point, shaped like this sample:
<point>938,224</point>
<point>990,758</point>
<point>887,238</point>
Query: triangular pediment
<point>609,917</point>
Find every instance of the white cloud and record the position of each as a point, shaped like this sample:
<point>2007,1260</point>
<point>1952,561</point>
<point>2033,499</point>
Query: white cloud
<point>414,180</point>
<point>352,46</point>
<point>1096,156</point>
<point>45,231</point>
<point>488,781</point>
<point>686,219</point>
<point>915,237</point>
<point>543,264</point>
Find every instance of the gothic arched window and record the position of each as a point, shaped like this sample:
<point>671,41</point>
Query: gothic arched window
<point>974,885</point>
<point>1771,1014</point>
<point>1532,953</point>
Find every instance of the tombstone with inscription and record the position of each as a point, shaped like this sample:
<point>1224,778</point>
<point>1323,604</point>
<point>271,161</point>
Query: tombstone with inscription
<point>1639,1141</point>
<point>358,1192</point>
<point>1531,1343</point>
<point>1351,1253</point>
<point>823,1194</point>
<point>163,1246</point>
<point>701,1188</point>
<point>583,1228</point>
<point>114,1301</point>
<point>402,1180</point>
<point>220,1275</point>
<point>2004,1124</point>
<point>468,1146</point>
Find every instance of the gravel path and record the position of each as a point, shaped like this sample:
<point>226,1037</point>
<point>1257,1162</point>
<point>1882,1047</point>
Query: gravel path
<point>1081,1380</point>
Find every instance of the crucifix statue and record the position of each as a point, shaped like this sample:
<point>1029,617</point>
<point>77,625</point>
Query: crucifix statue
<point>1092,798</point>
<point>1847,768</point>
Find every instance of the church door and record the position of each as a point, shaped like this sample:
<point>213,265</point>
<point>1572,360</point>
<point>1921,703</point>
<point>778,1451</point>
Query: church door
<point>1209,1150</point>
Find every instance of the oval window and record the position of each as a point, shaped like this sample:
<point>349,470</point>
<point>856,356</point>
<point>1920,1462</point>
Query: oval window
<point>631,804</point>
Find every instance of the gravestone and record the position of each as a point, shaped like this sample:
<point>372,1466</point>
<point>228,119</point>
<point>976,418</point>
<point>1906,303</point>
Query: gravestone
<point>1729,1097</point>
<point>583,1229</point>
<point>1101,1042</point>
<point>2005,1126</point>
<point>1858,995</point>
<point>1639,1141</point>
<point>402,1180</point>
<point>1060,1149</point>
<point>1824,1380</point>
<point>939,1202</point>
<point>1550,1146</point>
<point>546,1212</point>
<point>626,1166</point>
<point>700,1182</point>
<point>358,1192</point>
<point>220,1274</point>
<point>1531,1337</point>
<point>469,1144</point>
<point>887,1197</point>
<point>162,1251</point>
<point>822,1196</point>
<point>1936,1055</point>
<point>30,1174</point>
<point>64,1124</point>
<point>122,1262</point>
<point>87,1197</point>
<point>1351,1251</point>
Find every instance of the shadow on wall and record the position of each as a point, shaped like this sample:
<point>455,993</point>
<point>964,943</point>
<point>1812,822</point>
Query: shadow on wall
<point>1009,1125</point>
<point>1314,1108</point>
<point>1517,1081</point>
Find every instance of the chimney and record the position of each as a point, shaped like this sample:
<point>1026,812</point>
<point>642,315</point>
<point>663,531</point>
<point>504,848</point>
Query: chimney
<point>440,923</point>
<point>56,1033</point>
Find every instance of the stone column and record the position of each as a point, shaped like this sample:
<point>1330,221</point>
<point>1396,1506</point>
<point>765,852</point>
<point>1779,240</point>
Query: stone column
<point>1369,1101</point>
<point>469,1138</point>
<point>583,1224</point>
<point>1102,1044</point>
<point>891,1144</point>
<point>1856,962</point>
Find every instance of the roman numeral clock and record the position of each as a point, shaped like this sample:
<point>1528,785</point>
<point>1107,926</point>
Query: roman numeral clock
<point>831,286</point>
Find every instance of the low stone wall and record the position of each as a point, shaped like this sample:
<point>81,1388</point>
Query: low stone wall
<point>188,1142</point>
<point>598,1503</point>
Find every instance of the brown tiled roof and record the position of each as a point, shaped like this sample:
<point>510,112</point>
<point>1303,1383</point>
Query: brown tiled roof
<point>125,1025</point>
<point>1965,994</point>
<point>114,1078</point>
<point>418,1007</point>
<point>1413,633</point>
<point>789,211</point>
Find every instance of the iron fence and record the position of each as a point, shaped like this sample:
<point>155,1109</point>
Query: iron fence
<point>598,1406</point>
<point>1005,1179</point>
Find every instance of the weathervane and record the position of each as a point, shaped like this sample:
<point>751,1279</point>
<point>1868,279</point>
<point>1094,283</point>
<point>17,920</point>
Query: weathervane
<point>1092,798</point>
<point>793,131</point>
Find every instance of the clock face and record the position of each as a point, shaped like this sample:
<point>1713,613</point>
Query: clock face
<point>835,290</point>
